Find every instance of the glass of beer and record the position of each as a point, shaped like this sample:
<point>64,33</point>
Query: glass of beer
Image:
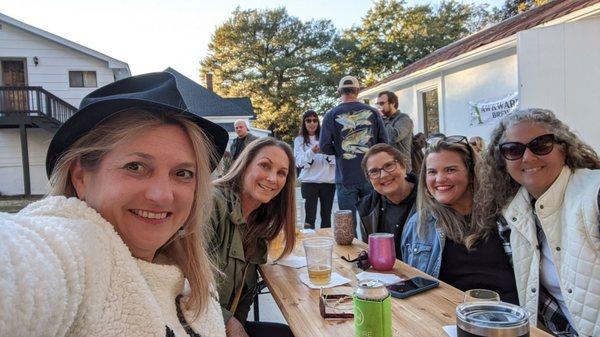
<point>318,259</point>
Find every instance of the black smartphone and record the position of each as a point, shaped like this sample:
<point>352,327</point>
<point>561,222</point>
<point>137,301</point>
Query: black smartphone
<point>412,286</point>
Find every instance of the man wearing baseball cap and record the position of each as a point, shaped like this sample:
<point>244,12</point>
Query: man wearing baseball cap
<point>348,131</point>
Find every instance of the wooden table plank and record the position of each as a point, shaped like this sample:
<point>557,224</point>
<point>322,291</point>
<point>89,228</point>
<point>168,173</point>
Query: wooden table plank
<point>422,315</point>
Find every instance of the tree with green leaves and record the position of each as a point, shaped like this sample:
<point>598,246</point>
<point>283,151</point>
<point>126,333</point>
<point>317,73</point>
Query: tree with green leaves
<point>280,62</point>
<point>393,35</point>
<point>514,7</point>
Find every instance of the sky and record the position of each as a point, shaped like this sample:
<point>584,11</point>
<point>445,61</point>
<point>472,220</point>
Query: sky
<point>151,35</point>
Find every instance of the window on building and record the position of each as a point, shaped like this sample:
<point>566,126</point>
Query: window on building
<point>82,79</point>
<point>431,113</point>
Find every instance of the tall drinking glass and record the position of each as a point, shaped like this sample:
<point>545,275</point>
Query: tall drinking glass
<point>318,259</point>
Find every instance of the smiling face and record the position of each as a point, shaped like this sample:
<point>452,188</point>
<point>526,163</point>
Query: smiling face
<point>448,180</point>
<point>265,176</point>
<point>389,183</point>
<point>144,187</point>
<point>534,172</point>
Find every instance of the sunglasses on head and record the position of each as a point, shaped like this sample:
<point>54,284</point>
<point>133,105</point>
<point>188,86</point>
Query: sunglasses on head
<point>448,139</point>
<point>540,145</point>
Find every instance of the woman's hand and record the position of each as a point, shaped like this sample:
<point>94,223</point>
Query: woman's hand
<point>234,328</point>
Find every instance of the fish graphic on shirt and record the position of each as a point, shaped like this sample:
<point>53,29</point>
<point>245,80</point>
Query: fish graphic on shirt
<point>356,132</point>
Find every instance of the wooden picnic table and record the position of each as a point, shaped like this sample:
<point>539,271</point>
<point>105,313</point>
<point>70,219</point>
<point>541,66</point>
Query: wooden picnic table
<point>421,315</point>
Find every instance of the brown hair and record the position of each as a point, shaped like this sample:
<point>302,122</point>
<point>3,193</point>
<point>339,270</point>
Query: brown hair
<point>279,213</point>
<point>187,251</point>
<point>304,131</point>
<point>577,155</point>
<point>391,96</point>
<point>383,147</point>
<point>462,230</point>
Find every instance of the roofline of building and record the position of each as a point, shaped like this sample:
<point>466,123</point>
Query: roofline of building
<point>478,53</point>
<point>112,62</point>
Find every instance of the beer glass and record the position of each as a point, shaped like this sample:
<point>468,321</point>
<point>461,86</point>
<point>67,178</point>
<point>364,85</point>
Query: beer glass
<point>318,259</point>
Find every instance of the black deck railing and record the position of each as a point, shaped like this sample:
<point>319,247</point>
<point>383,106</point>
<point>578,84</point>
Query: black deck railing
<point>33,101</point>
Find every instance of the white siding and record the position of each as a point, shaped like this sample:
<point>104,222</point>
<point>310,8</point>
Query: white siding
<point>55,62</point>
<point>490,77</point>
<point>486,79</point>
<point>11,168</point>
<point>559,69</point>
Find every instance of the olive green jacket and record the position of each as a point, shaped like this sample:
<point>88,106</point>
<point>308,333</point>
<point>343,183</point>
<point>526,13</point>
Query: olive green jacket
<point>227,249</point>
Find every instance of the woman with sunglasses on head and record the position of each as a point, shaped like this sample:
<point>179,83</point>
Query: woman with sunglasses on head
<point>317,175</point>
<point>254,203</point>
<point>447,238</point>
<point>392,202</point>
<point>546,184</point>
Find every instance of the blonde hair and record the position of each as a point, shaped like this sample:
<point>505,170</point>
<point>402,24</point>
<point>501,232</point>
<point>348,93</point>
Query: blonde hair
<point>187,251</point>
<point>477,143</point>
<point>458,228</point>
<point>279,213</point>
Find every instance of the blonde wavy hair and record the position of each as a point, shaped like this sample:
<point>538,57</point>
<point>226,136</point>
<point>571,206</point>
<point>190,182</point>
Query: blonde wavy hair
<point>502,186</point>
<point>187,251</point>
<point>457,227</point>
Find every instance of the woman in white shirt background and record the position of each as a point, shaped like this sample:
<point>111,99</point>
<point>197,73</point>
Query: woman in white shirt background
<point>317,176</point>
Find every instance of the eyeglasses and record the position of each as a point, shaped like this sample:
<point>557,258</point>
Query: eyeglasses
<point>448,139</point>
<point>311,120</point>
<point>540,145</point>
<point>388,167</point>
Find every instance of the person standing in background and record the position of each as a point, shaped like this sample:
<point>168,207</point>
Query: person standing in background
<point>243,139</point>
<point>349,130</point>
<point>398,125</point>
<point>317,176</point>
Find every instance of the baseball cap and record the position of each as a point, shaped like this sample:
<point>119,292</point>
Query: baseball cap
<point>349,82</point>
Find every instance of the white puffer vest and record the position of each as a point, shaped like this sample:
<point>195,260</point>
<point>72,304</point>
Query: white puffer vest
<point>568,213</point>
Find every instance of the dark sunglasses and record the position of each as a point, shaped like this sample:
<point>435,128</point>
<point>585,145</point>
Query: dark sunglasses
<point>448,139</point>
<point>362,260</point>
<point>540,145</point>
<point>312,120</point>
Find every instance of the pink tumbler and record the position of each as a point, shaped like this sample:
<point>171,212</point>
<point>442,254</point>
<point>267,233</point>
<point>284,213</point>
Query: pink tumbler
<point>382,252</point>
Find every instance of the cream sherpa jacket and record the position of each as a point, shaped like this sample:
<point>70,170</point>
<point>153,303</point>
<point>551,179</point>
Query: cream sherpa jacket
<point>64,271</point>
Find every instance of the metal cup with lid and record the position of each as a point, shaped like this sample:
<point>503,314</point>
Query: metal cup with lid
<point>491,319</point>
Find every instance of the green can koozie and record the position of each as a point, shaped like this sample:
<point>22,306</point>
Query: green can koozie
<point>372,318</point>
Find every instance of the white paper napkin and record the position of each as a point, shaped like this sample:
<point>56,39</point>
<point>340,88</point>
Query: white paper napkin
<point>387,279</point>
<point>336,280</point>
<point>450,330</point>
<point>293,261</point>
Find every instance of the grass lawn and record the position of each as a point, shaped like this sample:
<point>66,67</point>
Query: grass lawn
<point>14,204</point>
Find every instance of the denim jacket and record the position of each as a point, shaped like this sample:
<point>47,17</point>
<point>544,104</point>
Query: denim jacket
<point>423,253</point>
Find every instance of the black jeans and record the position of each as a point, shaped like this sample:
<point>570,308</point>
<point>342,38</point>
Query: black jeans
<point>267,329</point>
<point>322,192</point>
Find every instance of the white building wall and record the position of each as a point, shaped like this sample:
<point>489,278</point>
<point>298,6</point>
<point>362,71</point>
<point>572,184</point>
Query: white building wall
<point>559,69</point>
<point>11,168</point>
<point>486,79</point>
<point>55,62</point>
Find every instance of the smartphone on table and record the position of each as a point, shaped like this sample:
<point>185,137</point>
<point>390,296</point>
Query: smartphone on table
<point>411,287</point>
